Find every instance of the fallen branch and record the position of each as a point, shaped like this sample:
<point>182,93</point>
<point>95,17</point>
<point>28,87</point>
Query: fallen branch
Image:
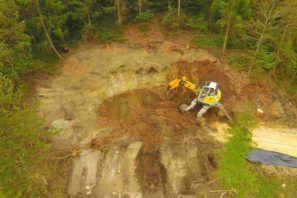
<point>212,181</point>
<point>222,191</point>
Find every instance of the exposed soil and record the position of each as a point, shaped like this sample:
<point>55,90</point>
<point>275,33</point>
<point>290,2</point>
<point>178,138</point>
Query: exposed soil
<point>133,142</point>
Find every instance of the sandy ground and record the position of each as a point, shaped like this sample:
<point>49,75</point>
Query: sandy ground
<point>282,140</point>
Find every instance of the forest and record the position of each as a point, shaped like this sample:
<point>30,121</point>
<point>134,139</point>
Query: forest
<point>257,37</point>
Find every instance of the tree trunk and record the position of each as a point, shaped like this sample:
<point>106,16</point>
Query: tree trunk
<point>257,49</point>
<point>278,51</point>
<point>231,10</point>
<point>178,12</point>
<point>119,13</point>
<point>88,12</point>
<point>140,6</point>
<point>46,32</point>
<point>227,32</point>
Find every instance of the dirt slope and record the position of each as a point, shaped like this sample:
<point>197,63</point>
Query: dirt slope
<point>133,143</point>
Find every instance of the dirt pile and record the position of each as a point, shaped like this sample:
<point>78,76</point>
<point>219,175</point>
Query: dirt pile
<point>144,115</point>
<point>175,156</point>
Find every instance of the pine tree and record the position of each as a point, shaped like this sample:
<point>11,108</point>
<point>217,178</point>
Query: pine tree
<point>15,53</point>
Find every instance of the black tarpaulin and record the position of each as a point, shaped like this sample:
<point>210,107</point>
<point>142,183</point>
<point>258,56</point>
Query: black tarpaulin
<point>270,157</point>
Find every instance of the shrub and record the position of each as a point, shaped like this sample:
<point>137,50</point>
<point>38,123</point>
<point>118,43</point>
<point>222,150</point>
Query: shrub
<point>208,40</point>
<point>23,146</point>
<point>240,62</point>
<point>145,16</point>
<point>109,34</point>
<point>169,19</point>
<point>265,60</point>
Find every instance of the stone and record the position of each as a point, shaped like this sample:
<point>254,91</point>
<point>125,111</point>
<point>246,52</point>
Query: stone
<point>60,124</point>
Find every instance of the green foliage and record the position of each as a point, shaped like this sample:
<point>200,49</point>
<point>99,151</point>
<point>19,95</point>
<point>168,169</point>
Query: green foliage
<point>110,33</point>
<point>15,55</point>
<point>145,16</point>
<point>89,33</point>
<point>240,62</point>
<point>170,18</point>
<point>265,61</point>
<point>44,62</point>
<point>208,40</point>
<point>293,68</point>
<point>20,160</point>
<point>193,23</point>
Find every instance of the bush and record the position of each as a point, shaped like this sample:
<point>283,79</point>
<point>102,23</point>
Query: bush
<point>208,40</point>
<point>23,146</point>
<point>240,62</point>
<point>89,33</point>
<point>109,34</point>
<point>145,16</point>
<point>265,60</point>
<point>292,68</point>
<point>169,19</point>
<point>191,23</point>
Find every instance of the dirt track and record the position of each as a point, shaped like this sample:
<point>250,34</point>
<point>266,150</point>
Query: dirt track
<point>282,140</point>
<point>133,142</point>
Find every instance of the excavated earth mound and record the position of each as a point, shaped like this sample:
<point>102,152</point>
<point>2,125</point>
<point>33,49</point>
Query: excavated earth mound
<point>173,157</point>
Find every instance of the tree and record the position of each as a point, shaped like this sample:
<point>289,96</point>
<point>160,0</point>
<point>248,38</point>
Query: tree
<point>230,14</point>
<point>267,12</point>
<point>119,12</point>
<point>139,7</point>
<point>230,18</point>
<point>22,144</point>
<point>46,31</point>
<point>15,54</point>
<point>288,27</point>
<point>178,12</point>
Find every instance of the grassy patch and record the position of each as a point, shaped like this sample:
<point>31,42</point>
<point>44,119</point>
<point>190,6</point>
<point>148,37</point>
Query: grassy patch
<point>237,174</point>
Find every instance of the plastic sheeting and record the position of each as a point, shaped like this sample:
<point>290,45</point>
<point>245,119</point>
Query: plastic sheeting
<point>273,158</point>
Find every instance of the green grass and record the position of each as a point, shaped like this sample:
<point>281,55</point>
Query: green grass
<point>246,179</point>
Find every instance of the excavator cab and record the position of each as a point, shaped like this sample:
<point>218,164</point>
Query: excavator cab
<point>209,94</point>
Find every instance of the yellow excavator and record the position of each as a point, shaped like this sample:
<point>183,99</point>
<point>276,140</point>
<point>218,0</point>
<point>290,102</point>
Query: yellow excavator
<point>209,95</point>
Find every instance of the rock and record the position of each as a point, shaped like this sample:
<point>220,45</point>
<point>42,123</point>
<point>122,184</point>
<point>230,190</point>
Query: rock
<point>277,109</point>
<point>60,124</point>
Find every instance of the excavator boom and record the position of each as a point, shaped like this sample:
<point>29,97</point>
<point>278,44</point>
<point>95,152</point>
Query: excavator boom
<point>179,82</point>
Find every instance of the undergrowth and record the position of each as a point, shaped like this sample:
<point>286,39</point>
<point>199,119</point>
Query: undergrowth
<point>145,16</point>
<point>24,145</point>
<point>208,41</point>
<point>110,34</point>
<point>238,175</point>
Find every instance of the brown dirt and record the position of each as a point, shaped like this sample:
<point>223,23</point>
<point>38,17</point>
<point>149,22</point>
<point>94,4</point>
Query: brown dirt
<point>143,115</point>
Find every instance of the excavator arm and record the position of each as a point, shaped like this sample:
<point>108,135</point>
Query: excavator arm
<point>178,83</point>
